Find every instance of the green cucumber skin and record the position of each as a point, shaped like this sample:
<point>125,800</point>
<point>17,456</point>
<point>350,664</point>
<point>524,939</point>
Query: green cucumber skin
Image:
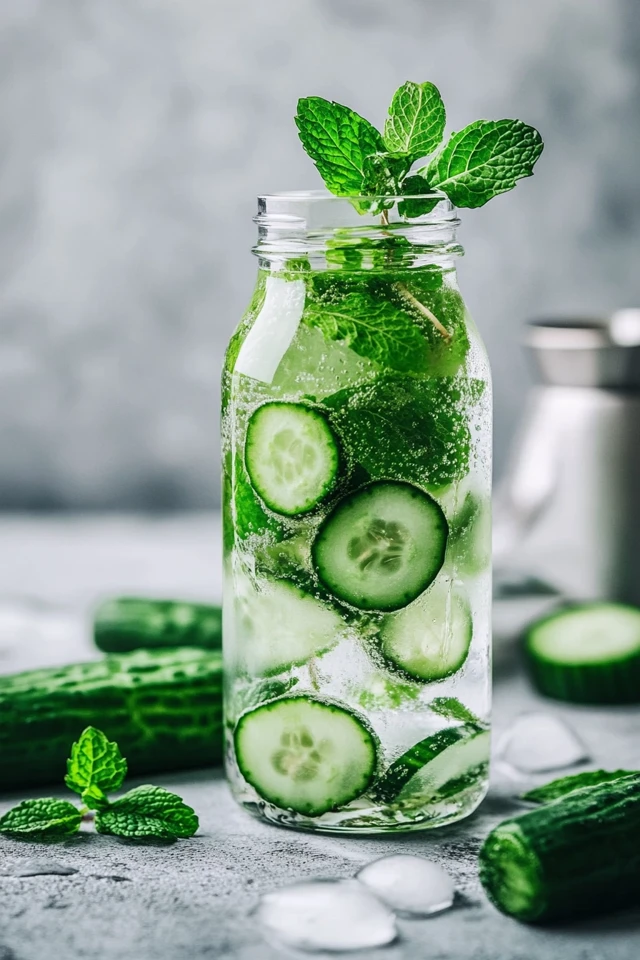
<point>582,853</point>
<point>163,708</point>
<point>122,624</point>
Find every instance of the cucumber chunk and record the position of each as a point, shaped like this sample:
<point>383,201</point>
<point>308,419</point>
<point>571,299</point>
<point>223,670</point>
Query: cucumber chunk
<point>430,639</point>
<point>305,755</point>
<point>587,654</point>
<point>382,546</point>
<point>454,755</point>
<point>278,626</point>
<point>291,456</point>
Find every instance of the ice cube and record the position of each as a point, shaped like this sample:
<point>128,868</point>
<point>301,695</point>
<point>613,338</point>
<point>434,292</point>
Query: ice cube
<point>412,886</point>
<point>320,915</point>
<point>538,742</point>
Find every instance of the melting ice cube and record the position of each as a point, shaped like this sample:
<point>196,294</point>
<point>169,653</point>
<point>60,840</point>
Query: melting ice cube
<point>327,915</point>
<point>537,742</point>
<point>412,886</point>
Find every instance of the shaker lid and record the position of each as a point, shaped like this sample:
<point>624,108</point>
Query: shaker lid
<point>587,351</point>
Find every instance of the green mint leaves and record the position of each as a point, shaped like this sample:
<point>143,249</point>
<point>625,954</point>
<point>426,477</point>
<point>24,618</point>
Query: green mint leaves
<point>95,768</point>
<point>416,120</point>
<point>483,160</point>
<point>47,819</point>
<point>453,709</point>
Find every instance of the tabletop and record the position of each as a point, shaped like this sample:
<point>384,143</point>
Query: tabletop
<point>195,899</point>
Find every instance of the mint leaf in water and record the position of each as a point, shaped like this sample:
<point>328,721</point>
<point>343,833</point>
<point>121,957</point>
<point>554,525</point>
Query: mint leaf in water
<point>46,819</point>
<point>338,140</point>
<point>416,120</point>
<point>484,160</point>
<point>148,813</point>
<point>453,709</point>
<point>95,766</point>
<point>413,206</point>
<point>566,785</point>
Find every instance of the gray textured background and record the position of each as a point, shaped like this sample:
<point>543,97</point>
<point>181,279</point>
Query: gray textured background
<point>135,136</point>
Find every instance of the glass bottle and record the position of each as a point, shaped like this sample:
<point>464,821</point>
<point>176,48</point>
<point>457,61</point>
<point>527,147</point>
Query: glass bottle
<point>356,429</point>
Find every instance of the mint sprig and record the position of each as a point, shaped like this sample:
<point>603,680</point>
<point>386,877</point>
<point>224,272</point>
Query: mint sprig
<point>95,768</point>
<point>416,121</point>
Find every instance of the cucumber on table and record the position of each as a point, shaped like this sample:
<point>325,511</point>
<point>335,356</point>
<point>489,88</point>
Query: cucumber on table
<point>291,456</point>
<point>381,546</point>
<point>577,855</point>
<point>587,654</point>
<point>430,639</point>
<point>305,755</point>
<point>121,624</point>
<point>163,708</point>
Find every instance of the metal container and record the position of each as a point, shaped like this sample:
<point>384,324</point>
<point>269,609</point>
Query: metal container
<point>568,510</point>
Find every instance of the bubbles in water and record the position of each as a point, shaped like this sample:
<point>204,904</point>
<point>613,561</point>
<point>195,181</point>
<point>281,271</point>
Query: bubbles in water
<point>412,886</point>
<point>327,915</point>
<point>538,742</point>
<point>38,868</point>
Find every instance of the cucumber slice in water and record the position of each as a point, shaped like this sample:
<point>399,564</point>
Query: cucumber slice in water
<point>305,755</point>
<point>291,456</point>
<point>587,654</point>
<point>430,639</point>
<point>382,546</point>
<point>451,757</point>
<point>279,626</point>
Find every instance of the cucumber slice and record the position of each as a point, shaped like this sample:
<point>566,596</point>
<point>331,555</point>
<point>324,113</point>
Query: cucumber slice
<point>452,756</point>
<point>278,626</point>
<point>587,654</point>
<point>382,546</point>
<point>430,640</point>
<point>305,755</point>
<point>291,456</point>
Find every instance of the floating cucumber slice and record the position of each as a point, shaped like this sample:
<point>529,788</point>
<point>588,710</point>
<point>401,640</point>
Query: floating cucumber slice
<point>587,654</point>
<point>470,535</point>
<point>430,639</point>
<point>277,626</point>
<point>382,546</point>
<point>305,755</point>
<point>448,757</point>
<point>291,456</point>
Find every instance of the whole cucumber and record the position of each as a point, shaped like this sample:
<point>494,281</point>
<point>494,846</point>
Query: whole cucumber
<point>577,855</point>
<point>121,624</point>
<point>163,708</point>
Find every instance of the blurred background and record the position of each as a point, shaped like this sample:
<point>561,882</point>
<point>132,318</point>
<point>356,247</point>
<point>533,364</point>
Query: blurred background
<point>135,137</point>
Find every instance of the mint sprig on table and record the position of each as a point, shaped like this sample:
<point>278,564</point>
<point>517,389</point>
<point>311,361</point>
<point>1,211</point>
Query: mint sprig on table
<point>355,160</point>
<point>96,767</point>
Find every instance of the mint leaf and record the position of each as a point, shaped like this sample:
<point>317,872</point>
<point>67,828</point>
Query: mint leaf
<point>382,693</point>
<point>382,175</point>
<point>413,207</point>
<point>95,766</point>
<point>148,813</point>
<point>577,781</point>
<point>484,160</point>
<point>416,120</point>
<point>373,326</point>
<point>338,140</point>
<point>47,819</point>
<point>453,709</point>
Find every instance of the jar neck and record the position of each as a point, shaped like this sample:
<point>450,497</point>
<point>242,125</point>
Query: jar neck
<point>318,231</point>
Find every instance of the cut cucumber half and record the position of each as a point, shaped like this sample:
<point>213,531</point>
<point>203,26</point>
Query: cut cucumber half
<point>278,626</point>
<point>305,755</point>
<point>430,640</point>
<point>587,654</point>
<point>452,756</point>
<point>291,456</point>
<point>382,546</point>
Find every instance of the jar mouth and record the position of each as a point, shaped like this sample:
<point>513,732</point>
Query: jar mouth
<point>320,209</point>
<point>324,196</point>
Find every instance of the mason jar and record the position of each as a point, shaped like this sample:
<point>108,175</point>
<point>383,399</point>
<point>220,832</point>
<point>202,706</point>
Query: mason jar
<point>356,424</point>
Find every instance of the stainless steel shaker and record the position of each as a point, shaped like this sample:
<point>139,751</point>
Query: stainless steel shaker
<point>567,514</point>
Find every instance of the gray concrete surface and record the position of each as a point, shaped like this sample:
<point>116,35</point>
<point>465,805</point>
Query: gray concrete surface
<point>194,899</point>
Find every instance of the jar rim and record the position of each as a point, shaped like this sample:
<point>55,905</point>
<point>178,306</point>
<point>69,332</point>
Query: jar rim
<point>318,196</point>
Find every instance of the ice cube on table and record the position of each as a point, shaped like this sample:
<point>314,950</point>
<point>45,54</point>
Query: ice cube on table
<point>412,886</point>
<point>320,915</point>
<point>539,742</point>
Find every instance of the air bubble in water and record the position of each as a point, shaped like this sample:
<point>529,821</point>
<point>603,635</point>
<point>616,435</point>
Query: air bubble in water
<point>412,886</point>
<point>327,915</point>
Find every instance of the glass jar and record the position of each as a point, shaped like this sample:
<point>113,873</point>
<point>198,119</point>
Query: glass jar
<point>356,431</point>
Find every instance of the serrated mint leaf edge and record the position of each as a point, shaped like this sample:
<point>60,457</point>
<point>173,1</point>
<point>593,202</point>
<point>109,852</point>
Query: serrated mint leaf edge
<point>44,824</point>
<point>413,96</point>
<point>82,776</point>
